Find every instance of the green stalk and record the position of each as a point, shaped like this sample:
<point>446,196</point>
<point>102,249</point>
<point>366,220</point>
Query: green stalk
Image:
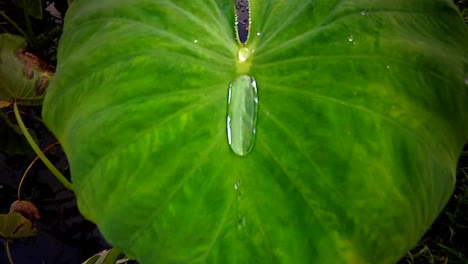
<point>27,19</point>
<point>38,151</point>
<point>7,248</point>
<point>13,23</point>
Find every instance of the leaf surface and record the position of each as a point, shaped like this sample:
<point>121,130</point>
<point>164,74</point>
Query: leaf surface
<point>361,117</point>
<point>14,225</point>
<point>23,76</point>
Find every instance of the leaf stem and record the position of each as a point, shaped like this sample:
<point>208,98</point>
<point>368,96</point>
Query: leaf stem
<point>7,249</point>
<point>30,166</point>
<point>27,19</point>
<point>38,151</point>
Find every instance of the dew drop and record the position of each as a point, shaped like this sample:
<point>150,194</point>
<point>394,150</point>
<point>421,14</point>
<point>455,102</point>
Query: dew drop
<point>259,33</point>
<point>195,41</point>
<point>241,223</point>
<point>242,114</point>
<point>243,54</point>
<point>364,12</point>
<point>351,38</point>
<point>237,185</point>
<point>388,67</point>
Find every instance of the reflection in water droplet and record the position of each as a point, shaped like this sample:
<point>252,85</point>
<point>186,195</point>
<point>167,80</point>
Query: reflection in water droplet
<point>351,38</point>
<point>195,41</point>
<point>364,12</point>
<point>259,33</point>
<point>242,114</point>
<point>243,54</point>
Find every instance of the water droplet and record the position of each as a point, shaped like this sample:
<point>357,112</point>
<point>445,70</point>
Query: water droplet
<point>241,223</point>
<point>259,33</point>
<point>364,12</point>
<point>242,114</point>
<point>351,38</point>
<point>355,92</point>
<point>237,185</point>
<point>243,54</point>
<point>466,80</point>
<point>195,41</point>
<point>388,67</point>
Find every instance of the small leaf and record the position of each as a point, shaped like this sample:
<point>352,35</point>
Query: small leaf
<point>23,76</point>
<point>14,225</point>
<point>26,208</point>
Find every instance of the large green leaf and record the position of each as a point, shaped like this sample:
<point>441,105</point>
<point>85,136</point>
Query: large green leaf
<point>361,117</point>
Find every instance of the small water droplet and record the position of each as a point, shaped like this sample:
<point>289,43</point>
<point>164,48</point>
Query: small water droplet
<point>243,54</point>
<point>259,33</point>
<point>237,185</point>
<point>195,41</point>
<point>364,12</point>
<point>242,114</point>
<point>241,223</point>
<point>351,38</point>
<point>388,67</point>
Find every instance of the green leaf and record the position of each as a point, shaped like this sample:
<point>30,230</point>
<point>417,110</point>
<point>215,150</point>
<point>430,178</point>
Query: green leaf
<point>33,8</point>
<point>361,117</point>
<point>22,75</point>
<point>14,225</point>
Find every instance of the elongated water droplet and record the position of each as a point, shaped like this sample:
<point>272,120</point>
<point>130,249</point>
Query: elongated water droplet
<point>364,12</point>
<point>242,20</point>
<point>351,38</point>
<point>242,114</point>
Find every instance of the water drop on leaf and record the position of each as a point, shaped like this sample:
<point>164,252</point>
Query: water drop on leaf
<point>243,54</point>
<point>242,114</point>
